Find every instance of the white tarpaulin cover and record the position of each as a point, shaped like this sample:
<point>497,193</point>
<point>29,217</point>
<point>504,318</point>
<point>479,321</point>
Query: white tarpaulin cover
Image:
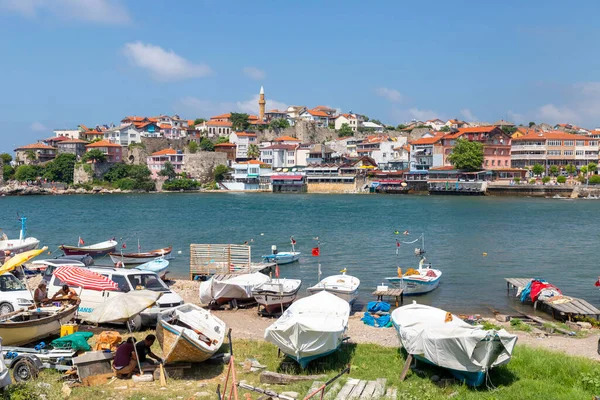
<point>123,307</point>
<point>312,326</point>
<point>454,344</point>
<point>238,287</point>
<point>4,372</point>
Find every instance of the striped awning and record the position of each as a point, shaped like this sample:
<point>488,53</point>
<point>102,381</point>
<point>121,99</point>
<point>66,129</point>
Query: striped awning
<point>84,278</point>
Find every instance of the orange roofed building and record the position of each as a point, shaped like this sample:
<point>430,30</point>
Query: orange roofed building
<point>34,153</point>
<point>112,151</point>
<point>496,145</point>
<point>156,161</point>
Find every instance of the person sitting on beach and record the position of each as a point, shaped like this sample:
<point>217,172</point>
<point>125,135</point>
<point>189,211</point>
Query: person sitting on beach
<point>65,293</point>
<point>40,296</point>
<point>144,353</point>
<point>125,361</point>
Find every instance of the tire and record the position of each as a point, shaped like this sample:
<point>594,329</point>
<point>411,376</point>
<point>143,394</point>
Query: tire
<point>135,324</point>
<point>24,370</point>
<point>6,308</point>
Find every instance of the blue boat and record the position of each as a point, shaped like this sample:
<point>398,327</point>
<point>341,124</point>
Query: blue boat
<point>283,257</point>
<point>442,339</point>
<point>158,265</point>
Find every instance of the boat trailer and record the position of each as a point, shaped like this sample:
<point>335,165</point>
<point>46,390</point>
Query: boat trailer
<point>27,362</point>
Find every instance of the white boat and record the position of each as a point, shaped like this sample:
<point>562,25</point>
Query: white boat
<point>32,324</point>
<point>20,245</point>
<point>422,280</point>
<point>312,327</point>
<point>189,333</point>
<point>238,287</point>
<point>443,339</point>
<point>158,265</point>
<point>122,259</point>
<point>276,294</point>
<point>344,286</point>
<point>282,257</point>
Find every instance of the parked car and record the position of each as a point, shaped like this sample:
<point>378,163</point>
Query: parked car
<point>128,280</point>
<point>13,294</point>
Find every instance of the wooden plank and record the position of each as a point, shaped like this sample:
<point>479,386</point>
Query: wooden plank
<point>282,379</point>
<point>587,307</point>
<point>332,391</point>
<point>369,391</point>
<point>379,388</point>
<point>358,389</point>
<point>347,389</point>
<point>406,367</point>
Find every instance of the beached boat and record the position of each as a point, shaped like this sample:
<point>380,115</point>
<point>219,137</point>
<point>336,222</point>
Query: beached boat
<point>189,333</point>
<point>16,246</point>
<point>32,324</point>
<point>140,258</point>
<point>94,250</point>
<point>238,287</point>
<point>422,280</point>
<point>344,286</point>
<point>158,265</point>
<point>312,327</point>
<point>276,294</point>
<point>443,339</point>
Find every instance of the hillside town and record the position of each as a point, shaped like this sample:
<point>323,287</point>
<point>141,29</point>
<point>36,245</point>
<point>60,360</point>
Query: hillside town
<point>318,149</point>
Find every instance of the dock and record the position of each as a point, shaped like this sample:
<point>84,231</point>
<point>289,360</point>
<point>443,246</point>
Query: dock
<point>398,294</point>
<point>565,311</point>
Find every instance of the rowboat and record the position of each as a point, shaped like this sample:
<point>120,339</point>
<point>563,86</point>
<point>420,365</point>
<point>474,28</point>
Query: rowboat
<point>158,265</point>
<point>32,324</point>
<point>344,286</point>
<point>276,294</point>
<point>94,250</point>
<point>189,333</point>
<point>312,327</point>
<point>283,257</point>
<point>439,338</point>
<point>238,287</point>
<point>140,258</point>
<point>417,281</point>
<point>16,246</point>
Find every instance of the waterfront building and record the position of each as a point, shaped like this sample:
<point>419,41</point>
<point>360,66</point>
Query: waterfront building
<point>347,176</point>
<point>319,154</point>
<point>156,161</point>
<point>243,141</point>
<point>34,153</point>
<point>496,145</point>
<point>250,175</point>
<point>228,149</point>
<point>553,148</point>
<point>72,146</point>
<point>427,152</point>
<point>381,149</point>
<point>279,155</point>
<point>288,183</point>
<point>112,151</point>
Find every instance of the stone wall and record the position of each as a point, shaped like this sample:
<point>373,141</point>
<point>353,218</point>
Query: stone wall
<point>81,175</point>
<point>136,156</point>
<point>153,144</point>
<point>200,165</point>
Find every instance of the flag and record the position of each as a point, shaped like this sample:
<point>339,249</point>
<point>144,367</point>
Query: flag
<point>597,282</point>
<point>276,270</point>
<point>81,242</point>
<point>343,271</point>
<point>124,245</point>
<point>316,252</point>
<point>292,239</point>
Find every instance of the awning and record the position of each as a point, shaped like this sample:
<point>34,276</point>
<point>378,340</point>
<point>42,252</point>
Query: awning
<point>286,177</point>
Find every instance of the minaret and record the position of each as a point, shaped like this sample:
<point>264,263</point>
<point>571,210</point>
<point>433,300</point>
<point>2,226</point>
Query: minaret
<point>261,104</point>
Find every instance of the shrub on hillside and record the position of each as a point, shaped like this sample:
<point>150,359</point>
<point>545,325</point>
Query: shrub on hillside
<point>594,180</point>
<point>181,184</point>
<point>561,179</point>
<point>546,179</point>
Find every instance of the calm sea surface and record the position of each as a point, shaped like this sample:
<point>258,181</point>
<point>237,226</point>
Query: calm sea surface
<point>552,239</point>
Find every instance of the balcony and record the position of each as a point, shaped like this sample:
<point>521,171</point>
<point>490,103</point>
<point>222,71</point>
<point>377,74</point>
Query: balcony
<point>528,147</point>
<point>541,157</point>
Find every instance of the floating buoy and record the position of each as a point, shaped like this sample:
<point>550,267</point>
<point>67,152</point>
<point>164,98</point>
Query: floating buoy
<point>262,234</point>
<point>484,254</point>
<point>179,252</point>
<point>396,232</point>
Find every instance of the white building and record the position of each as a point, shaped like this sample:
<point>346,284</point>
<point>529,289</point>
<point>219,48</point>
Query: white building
<point>70,133</point>
<point>345,146</point>
<point>243,141</point>
<point>320,118</point>
<point>382,150</point>
<point>352,120</point>
<point>435,124</point>
<point>123,135</point>
<point>279,155</point>
<point>250,175</point>
<point>371,125</point>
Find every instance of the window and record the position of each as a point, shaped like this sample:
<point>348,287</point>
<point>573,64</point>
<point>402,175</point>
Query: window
<point>568,152</point>
<point>506,163</point>
<point>554,152</point>
<point>487,162</point>
<point>147,281</point>
<point>569,142</point>
<point>493,162</point>
<point>9,283</point>
<point>556,143</point>
<point>121,283</point>
<point>580,143</point>
<point>579,152</point>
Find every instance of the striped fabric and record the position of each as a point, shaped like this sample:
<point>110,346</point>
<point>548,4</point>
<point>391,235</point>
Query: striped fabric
<point>84,278</point>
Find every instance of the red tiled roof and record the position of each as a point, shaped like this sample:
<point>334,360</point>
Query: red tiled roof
<point>280,147</point>
<point>103,143</point>
<point>56,139</point>
<point>73,141</point>
<point>552,135</point>
<point>286,139</point>
<point>190,122</point>
<point>254,162</point>
<point>427,140</point>
<point>85,128</point>
<point>246,134</point>
<point>36,146</point>
<point>134,118</point>
<point>218,123</point>
<point>222,116</point>
<point>317,113</point>
<point>165,152</point>
<point>92,132</point>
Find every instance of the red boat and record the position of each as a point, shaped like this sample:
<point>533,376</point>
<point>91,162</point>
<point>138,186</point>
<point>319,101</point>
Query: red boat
<point>141,258</point>
<point>94,250</point>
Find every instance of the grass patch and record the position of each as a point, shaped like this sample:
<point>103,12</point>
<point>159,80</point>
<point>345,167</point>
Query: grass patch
<point>519,325</point>
<point>532,374</point>
<point>488,326</point>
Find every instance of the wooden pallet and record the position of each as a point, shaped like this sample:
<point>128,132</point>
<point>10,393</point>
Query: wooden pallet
<point>362,390</point>
<point>398,294</point>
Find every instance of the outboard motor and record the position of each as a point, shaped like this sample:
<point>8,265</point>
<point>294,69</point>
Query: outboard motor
<point>274,249</point>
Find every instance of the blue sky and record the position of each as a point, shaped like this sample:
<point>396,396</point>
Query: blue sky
<point>70,62</point>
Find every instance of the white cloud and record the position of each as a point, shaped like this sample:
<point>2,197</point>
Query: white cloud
<point>254,73</point>
<point>391,94</point>
<point>555,114</point>
<point>206,108</point>
<point>465,112</point>
<point>100,11</point>
<point>163,65</point>
<point>38,127</point>
<point>422,115</point>
<point>403,116</point>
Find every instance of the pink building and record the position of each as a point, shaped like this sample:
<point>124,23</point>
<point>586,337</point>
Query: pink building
<point>496,145</point>
<point>156,162</point>
<point>112,151</point>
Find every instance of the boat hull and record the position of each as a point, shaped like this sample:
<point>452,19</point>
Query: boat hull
<point>155,266</point>
<point>17,246</point>
<point>140,258</point>
<point>414,286</point>
<point>350,297</point>
<point>282,258</point>
<point>81,251</point>
<point>20,333</point>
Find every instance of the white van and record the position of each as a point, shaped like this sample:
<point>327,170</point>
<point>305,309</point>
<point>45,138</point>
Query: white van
<point>13,294</point>
<point>128,280</point>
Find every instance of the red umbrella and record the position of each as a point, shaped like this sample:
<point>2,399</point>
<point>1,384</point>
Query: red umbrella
<point>84,278</point>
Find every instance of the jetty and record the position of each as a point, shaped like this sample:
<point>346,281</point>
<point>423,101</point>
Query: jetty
<point>567,309</point>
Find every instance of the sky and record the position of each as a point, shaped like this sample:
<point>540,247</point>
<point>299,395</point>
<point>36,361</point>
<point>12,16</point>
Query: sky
<point>70,62</point>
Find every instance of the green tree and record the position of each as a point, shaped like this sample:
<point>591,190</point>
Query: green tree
<point>561,179</point>
<point>376,121</point>
<point>207,145</point>
<point>467,155</point>
<point>220,171</point>
<point>239,121</point>
<point>26,173</point>
<point>253,151</point>
<point>400,127</point>
<point>117,171</point>
<point>279,123</point>
<point>554,170</point>
<point>345,131</point>
<point>198,121</point>
<point>592,167</point>
<point>6,158</point>
<point>546,179</point>
<point>193,147</point>
<point>61,168</point>
<point>531,124</point>
<point>445,129</point>
<point>570,169</point>
<point>537,169</point>
<point>594,180</point>
<point>168,171</point>
<point>509,130</point>
<point>139,172</point>
<point>8,172</point>
<point>223,139</point>
<point>331,125</point>
<point>584,170</point>
<point>94,155</point>
<point>30,155</point>
<point>365,118</point>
